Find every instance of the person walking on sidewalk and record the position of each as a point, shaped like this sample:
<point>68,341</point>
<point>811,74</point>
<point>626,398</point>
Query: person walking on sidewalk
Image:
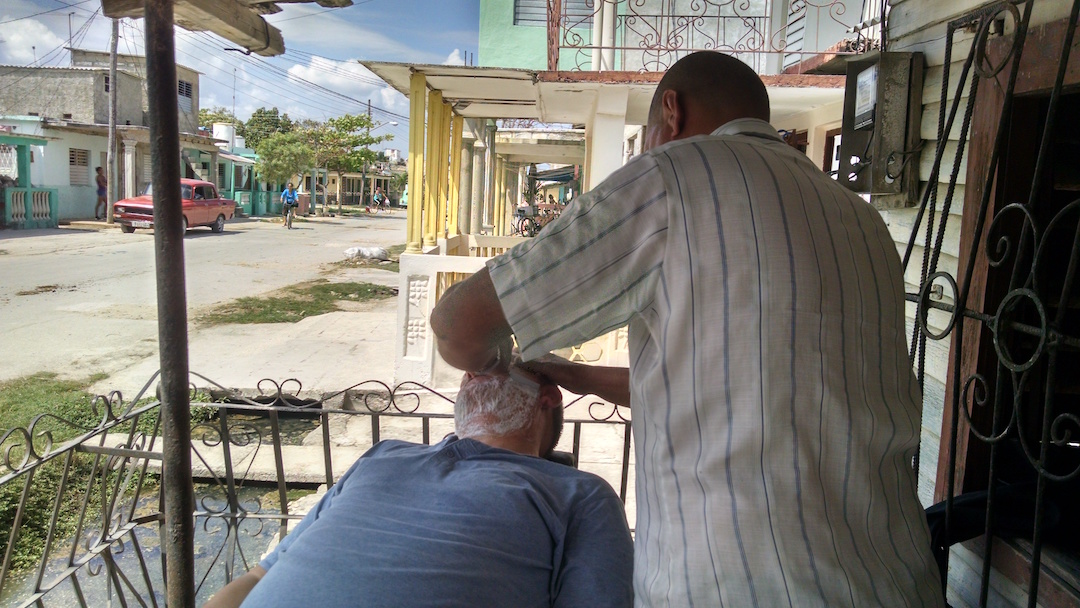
<point>101,209</point>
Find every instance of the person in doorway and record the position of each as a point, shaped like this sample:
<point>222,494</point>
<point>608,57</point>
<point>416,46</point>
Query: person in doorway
<point>101,208</point>
<point>775,412</point>
<point>478,519</point>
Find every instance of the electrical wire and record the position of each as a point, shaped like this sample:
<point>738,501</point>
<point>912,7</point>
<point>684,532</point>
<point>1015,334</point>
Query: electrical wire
<point>52,10</point>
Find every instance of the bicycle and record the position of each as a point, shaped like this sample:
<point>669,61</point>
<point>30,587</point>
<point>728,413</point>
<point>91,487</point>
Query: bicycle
<point>290,211</point>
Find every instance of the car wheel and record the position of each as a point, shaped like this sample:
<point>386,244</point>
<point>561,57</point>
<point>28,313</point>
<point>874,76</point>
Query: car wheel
<point>126,229</point>
<point>219,224</point>
<point>183,230</point>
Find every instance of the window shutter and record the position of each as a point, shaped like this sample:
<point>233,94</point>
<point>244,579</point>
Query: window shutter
<point>534,12</point>
<point>78,167</point>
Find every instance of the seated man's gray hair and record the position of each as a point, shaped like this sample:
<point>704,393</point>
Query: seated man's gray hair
<point>493,405</point>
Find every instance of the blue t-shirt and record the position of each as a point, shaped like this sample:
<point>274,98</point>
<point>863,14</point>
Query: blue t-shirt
<point>288,196</point>
<point>458,523</point>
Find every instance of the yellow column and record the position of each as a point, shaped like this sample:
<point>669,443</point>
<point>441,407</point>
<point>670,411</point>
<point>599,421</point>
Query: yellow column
<point>431,171</point>
<point>414,216</point>
<point>455,173</point>
<point>444,168</point>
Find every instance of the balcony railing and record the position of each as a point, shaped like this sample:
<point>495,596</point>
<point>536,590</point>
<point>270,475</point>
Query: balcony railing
<point>31,207</point>
<point>650,35</point>
<point>85,522</point>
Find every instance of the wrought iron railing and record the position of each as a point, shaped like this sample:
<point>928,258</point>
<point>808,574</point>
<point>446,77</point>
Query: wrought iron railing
<point>1011,309</point>
<point>650,35</point>
<point>250,453</point>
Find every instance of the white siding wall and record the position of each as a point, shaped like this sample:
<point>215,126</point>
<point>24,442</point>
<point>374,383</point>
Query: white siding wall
<point>921,25</point>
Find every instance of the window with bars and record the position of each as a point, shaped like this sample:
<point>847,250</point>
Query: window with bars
<point>534,12</point>
<point>185,91</point>
<point>79,167</point>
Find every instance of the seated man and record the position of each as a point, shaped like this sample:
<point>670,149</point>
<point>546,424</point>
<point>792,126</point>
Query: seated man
<point>479,519</point>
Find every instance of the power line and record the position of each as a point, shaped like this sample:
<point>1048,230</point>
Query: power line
<point>51,10</point>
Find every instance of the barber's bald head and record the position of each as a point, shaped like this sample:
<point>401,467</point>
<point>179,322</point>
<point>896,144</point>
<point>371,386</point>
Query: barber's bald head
<point>701,92</point>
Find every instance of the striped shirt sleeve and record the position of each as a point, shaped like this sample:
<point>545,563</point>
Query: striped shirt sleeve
<point>591,269</point>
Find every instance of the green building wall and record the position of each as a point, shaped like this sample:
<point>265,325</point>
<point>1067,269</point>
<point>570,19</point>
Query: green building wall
<point>505,45</point>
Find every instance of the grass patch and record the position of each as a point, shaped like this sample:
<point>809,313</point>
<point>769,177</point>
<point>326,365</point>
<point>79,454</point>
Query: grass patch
<point>23,398</point>
<point>294,303</point>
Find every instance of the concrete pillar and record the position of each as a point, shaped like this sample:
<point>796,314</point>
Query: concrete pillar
<point>603,154</point>
<point>431,172</point>
<point>596,40</point>
<point>214,170</point>
<point>22,164</point>
<point>479,179</point>
<point>607,54</point>
<point>444,169</point>
<point>465,200</point>
<point>130,183</point>
<point>414,217</point>
<point>456,124</point>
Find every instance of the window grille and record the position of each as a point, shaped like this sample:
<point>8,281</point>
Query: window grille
<point>79,167</point>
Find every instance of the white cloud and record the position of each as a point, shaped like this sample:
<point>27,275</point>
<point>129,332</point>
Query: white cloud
<point>454,58</point>
<point>20,36</point>
<point>350,79</point>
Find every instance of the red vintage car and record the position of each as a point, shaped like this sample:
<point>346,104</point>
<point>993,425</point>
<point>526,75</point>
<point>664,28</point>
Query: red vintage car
<point>202,207</point>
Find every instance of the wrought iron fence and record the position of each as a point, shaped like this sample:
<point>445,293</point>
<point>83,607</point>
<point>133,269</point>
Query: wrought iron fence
<point>651,35</point>
<point>1010,458</point>
<point>102,535</point>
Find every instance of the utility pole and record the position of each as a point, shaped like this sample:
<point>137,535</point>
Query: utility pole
<point>363,175</point>
<point>232,139</point>
<point>110,158</point>
<point>70,43</point>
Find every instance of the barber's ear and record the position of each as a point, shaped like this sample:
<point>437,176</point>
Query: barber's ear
<point>673,114</point>
<point>550,396</point>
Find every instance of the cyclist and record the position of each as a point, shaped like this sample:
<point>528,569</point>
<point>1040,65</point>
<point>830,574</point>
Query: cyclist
<point>289,202</point>
<point>380,200</point>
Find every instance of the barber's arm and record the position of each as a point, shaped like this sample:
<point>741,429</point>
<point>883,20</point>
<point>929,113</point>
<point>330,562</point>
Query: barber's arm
<point>233,594</point>
<point>470,328</point>
<point>609,383</point>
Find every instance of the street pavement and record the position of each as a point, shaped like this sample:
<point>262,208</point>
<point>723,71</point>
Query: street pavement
<point>80,300</point>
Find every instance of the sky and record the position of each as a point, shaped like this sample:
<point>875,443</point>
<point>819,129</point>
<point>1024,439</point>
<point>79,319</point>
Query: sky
<point>322,46</point>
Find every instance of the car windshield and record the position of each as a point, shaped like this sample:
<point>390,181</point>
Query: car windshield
<point>185,191</point>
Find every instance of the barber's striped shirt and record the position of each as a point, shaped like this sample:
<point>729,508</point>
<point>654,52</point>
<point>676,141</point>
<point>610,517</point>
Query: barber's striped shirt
<point>775,413</point>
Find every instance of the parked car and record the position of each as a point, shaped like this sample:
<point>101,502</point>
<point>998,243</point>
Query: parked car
<point>201,205</point>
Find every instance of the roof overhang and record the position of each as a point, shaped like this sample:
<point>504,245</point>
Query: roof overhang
<point>137,133</point>
<point>541,145</point>
<point>571,97</point>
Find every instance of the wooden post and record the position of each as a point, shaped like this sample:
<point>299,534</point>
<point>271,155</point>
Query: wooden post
<point>414,214</point>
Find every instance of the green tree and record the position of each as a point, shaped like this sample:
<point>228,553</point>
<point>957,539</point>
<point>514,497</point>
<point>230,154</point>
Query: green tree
<point>264,123</point>
<point>208,116</point>
<point>342,144</point>
<point>282,155</point>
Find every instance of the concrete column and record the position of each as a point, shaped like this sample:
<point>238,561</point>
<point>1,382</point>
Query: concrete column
<point>604,145</point>
<point>456,124</point>
<point>444,170</point>
<point>479,179</point>
<point>465,201</point>
<point>414,215</point>
<point>431,172</point>
<point>596,40</point>
<point>607,54</point>
<point>130,183</point>
<point>214,170</point>
<point>489,194</point>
